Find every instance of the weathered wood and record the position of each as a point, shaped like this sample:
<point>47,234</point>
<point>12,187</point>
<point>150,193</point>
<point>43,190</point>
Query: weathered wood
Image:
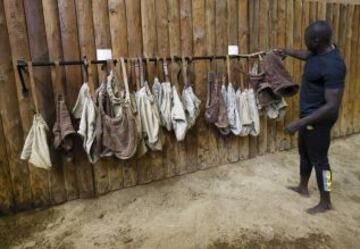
<point>263,45</point>
<point>6,195</point>
<point>282,140</point>
<point>232,141</point>
<point>103,40</point>
<point>343,36</point>
<point>353,79</point>
<point>221,42</point>
<point>254,46</point>
<point>118,30</point>
<point>243,34</point>
<point>289,63</point>
<point>189,146</point>
<point>357,104</point>
<point>17,33</point>
<point>39,51</point>
<point>198,17</point>
<point>298,41</point>
<point>152,161</point>
<point>70,37</point>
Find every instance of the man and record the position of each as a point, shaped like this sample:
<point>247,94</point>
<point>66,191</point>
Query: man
<point>320,98</point>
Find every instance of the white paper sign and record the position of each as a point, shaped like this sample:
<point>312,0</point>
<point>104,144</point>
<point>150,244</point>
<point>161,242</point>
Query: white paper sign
<point>233,50</point>
<point>103,54</point>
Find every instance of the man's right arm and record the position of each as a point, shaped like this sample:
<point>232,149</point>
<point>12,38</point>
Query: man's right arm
<point>300,54</point>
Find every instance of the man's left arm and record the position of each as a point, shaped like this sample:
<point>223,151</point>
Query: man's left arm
<point>333,97</point>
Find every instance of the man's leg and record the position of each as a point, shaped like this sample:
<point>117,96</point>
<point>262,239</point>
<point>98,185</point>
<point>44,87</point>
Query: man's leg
<point>318,147</point>
<point>305,166</point>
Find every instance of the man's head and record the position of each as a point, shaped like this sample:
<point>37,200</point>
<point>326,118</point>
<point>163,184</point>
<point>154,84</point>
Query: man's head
<point>318,36</point>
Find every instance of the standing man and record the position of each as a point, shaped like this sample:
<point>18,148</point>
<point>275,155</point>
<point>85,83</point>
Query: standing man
<point>320,98</point>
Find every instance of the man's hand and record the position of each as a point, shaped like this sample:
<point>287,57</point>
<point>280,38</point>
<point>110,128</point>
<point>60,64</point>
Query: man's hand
<point>280,52</point>
<point>293,127</point>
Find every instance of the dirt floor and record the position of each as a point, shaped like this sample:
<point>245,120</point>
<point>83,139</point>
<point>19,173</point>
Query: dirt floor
<point>243,205</point>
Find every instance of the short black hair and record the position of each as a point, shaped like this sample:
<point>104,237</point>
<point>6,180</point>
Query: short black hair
<point>320,31</point>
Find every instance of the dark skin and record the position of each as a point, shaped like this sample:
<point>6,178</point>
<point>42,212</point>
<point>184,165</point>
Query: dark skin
<point>315,45</point>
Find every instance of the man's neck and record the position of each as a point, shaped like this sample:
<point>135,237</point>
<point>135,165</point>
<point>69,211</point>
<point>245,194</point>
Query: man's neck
<point>326,49</point>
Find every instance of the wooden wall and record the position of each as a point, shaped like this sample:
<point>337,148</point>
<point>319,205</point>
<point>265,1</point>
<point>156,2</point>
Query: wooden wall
<point>68,29</point>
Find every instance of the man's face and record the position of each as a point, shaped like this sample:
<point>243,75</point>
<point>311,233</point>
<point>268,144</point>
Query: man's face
<point>310,42</point>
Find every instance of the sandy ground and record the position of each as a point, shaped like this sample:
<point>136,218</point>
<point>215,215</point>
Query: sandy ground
<point>243,205</point>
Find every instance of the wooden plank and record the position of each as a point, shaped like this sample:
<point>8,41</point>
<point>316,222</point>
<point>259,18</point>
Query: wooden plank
<point>336,30</point>
<point>353,63</point>
<point>72,40</point>
<point>329,12</point>
<point>313,11</point>
<point>134,50</point>
<point>175,49</point>
<point>282,140</point>
<point>289,63</point>
<point>232,141</point>
<point>220,49</point>
<point>347,56</point>
<point>18,45</point>
<point>243,33</point>
<point>321,11</point>
<point>118,30</point>
<point>297,42</point>
<point>53,180</point>
<point>103,40</point>
<point>210,26</point>
<point>7,203</point>
<point>357,104</point>
<point>52,33</point>
<point>343,36</point>
<point>189,146</point>
<point>163,50</point>
<point>273,20</point>
<point>198,16</point>
<point>254,46</point>
<point>152,161</point>
<point>263,16</point>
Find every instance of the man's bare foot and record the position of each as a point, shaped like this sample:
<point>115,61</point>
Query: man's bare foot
<point>300,190</point>
<point>320,208</point>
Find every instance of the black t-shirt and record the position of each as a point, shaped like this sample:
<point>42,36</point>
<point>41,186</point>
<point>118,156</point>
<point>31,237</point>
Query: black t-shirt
<point>321,71</point>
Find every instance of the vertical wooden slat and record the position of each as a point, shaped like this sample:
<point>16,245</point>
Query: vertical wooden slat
<point>16,24</point>
<point>6,188</point>
<point>169,155</point>
<point>313,11</point>
<point>198,15</point>
<point>134,50</point>
<point>289,63</point>
<point>281,139</point>
<point>75,171</point>
<point>221,48</point>
<point>336,28</point>
<point>353,80</point>
<point>321,11</point>
<point>298,41</point>
<point>347,54</point>
<point>344,35</point>
<point>152,160</point>
<point>103,41</point>
<point>189,146</point>
<point>273,20</point>
<point>232,141</point>
<point>210,24</point>
<point>52,32</point>
<point>243,33</point>
<point>254,46</point>
<point>54,179</point>
<point>118,30</point>
<point>175,49</point>
<point>263,45</point>
<point>357,103</point>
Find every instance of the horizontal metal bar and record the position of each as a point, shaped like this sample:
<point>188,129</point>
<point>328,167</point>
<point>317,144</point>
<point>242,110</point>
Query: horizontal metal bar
<point>22,63</point>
